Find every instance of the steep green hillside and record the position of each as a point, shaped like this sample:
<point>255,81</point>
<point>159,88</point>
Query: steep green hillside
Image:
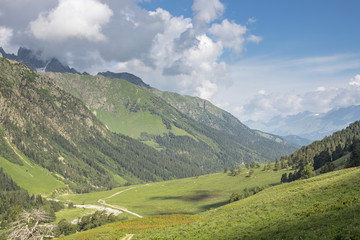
<point>205,112</point>
<point>28,175</point>
<point>58,132</point>
<point>137,112</point>
<point>324,207</point>
<point>33,178</point>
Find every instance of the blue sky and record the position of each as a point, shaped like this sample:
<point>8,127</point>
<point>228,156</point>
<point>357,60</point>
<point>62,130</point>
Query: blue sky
<point>255,58</point>
<point>301,28</point>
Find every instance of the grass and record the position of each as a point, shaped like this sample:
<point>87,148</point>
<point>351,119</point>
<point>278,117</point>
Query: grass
<point>120,229</point>
<point>35,179</point>
<point>323,207</point>
<point>182,196</point>
<point>132,124</point>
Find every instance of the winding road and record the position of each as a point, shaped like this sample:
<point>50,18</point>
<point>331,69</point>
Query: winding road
<point>103,202</point>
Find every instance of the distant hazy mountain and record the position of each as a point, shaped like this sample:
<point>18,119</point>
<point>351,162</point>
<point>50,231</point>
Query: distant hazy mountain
<point>37,62</point>
<point>297,140</point>
<point>310,125</point>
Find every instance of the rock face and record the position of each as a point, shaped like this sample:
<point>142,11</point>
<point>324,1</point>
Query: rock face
<point>37,62</point>
<point>55,66</point>
<point>30,59</point>
<point>5,55</point>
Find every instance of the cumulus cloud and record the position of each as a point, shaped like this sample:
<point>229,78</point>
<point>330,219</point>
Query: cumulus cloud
<point>194,67</point>
<point>229,34</point>
<point>82,19</point>
<point>169,52</point>
<point>207,11</point>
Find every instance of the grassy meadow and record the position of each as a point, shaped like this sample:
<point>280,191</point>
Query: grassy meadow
<point>120,230</point>
<point>323,207</point>
<point>183,196</point>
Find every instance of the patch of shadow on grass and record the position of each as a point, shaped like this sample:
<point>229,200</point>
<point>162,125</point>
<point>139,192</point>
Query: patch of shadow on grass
<point>214,205</point>
<point>196,196</point>
<point>172,213</point>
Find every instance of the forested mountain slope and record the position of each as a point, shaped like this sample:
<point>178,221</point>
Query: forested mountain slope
<point>333,146</point>
<point>58,132</point>
<point>137,112</point>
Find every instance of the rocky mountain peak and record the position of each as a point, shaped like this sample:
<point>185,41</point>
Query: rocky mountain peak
<point>37,62</point>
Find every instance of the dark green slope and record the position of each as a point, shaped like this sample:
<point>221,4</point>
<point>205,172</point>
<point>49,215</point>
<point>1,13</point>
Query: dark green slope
<point>137,112</point>
<point>334,146</point>
<point>58,132</point>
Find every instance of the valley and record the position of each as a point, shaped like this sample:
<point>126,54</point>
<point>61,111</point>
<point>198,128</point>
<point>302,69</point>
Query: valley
<point>184,196</point>
<point>169,166</point>
<point>179,120</point>
<point>308,209</point>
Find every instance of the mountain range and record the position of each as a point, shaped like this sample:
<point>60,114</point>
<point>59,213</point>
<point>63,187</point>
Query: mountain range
<point>308,125</point>
<point>96,132</point>
<point>205,133</point>
<point>56,131</point>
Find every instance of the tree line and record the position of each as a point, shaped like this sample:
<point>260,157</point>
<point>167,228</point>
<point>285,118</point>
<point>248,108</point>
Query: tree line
<point>322,154</point>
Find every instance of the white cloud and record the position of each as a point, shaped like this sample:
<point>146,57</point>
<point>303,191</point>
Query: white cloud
<point>355,81</point>
<point>187,61</point>
<point>254,39</point>
<point>5,35</point>
<point>263,106</point>
<point>81,19</point>
<point>207,11</point>
<point>169,52</point>
<point>229,34</point>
